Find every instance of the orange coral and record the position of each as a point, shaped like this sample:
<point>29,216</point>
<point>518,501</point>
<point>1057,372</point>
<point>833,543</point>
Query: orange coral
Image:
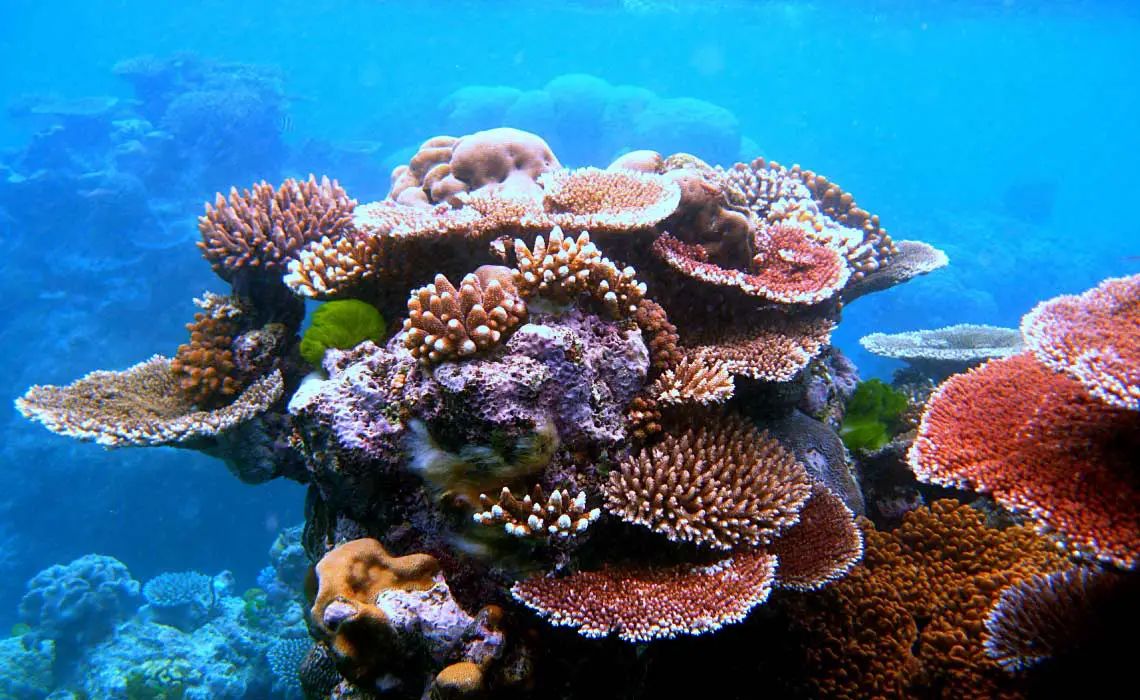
<point>262,228</point>
<point>344,613</point>
<point>641,604</point>
<point>794,269</point>
<point>1094,338</point>
<point>724,485</point>
<point>1039,442</point>
<point>204,368</point>
<point>942,567</point>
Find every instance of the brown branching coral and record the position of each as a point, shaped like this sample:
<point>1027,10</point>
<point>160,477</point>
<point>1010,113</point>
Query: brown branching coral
<point>564,269</point>
<point>660,334</point>
<point>445,323</point>
<point>821,547</point>
<point>205,369</point>
<point>724,486</point>
<point>260,229</point>
<point>140,406</point>
<point>943,567</point>
<point>643,604</point>
<point>607,200</point>
<point>694,382</point>
<point>537,515</point>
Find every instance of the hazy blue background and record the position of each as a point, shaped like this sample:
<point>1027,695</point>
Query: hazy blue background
<point>1003,132</point>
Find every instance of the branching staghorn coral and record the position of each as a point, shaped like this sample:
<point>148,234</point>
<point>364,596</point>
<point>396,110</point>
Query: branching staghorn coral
<point>537,515</point>
<point>693,382</point>
<point>724,485</point>
<point>565,269</point>
<point>259,230</point>
<point>445,323</point>
<point>140,406</point>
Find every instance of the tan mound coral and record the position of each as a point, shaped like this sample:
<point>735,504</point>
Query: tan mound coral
<point>204,368</point>
<point>344,612</point>
<point>505,159</point>
<point>259,230</point>
<point>445,323</point>
<point>694,382</point>
<point>537,515</point>
<point>943,567</point>
<point>821,546</point>
<point>607,200</point>
<point>140,406</point>
<point>724,485</point>
<point>643,604</point>
<point>773,347</point>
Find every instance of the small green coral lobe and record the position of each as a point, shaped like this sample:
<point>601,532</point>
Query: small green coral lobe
<point>341,324</point>
<point>872,415</point>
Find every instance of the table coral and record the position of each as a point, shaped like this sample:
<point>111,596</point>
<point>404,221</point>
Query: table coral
<point>643,604</point>
<point>1039,442</point>
<point>1093,338</point>
<point>941,352</point>
<point>141,405</point>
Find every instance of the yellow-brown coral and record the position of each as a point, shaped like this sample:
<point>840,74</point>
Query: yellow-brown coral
<point>724,485</point>
<point>445,323</point>
<point>140,406</point>
<point>566,268</point>
<point>773,347</point>
<point>260,229</point>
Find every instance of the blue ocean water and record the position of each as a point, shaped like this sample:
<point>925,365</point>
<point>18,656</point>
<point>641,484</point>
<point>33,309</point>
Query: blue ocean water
<point>1002,132</point>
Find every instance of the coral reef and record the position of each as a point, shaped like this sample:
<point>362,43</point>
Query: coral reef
<point>563,421</point>
<point>182,599</point>
<point>1040,441</point>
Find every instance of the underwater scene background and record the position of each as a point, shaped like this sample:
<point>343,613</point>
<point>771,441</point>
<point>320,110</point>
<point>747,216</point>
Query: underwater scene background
<point>1002,133</point>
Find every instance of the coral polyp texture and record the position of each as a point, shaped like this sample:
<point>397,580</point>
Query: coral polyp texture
<point>640,605</point>
<point>565,420</point>
<point>259,230</point>
<point>1093,338</point>
<point>723,486</point>
<point>1042,441</point>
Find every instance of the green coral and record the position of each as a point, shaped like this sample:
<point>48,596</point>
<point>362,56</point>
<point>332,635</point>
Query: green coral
<point>254,607</point>
<point>341,324</point>
<point>872,415</point>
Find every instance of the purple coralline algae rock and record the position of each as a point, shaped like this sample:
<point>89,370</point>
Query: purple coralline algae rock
<point>830,382</point>
<point>577,370</point>
<point>80,603</point>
